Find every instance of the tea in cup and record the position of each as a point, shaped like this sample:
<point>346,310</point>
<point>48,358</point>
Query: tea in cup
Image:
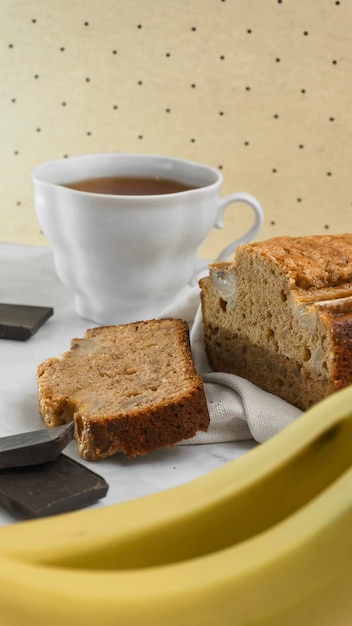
<point>125,229</point>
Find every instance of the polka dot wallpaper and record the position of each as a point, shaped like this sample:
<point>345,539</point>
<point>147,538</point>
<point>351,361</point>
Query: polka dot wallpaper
<point>257,88</point>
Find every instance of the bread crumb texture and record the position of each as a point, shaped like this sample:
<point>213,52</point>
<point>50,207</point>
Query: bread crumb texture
<point>130,388</point>
<point>280,316</point>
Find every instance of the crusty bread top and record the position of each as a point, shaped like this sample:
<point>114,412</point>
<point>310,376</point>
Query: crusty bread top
<point>315,261</point>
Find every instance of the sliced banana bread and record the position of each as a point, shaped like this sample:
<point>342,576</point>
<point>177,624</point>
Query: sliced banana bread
<point>280,316</point>
<point>130,388</point>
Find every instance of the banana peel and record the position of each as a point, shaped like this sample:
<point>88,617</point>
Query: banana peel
<point>264,540</point>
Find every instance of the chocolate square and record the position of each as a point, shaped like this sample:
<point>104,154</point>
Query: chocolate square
<point>50,488</point>
<point>21,321</point>
<point>34,447</point>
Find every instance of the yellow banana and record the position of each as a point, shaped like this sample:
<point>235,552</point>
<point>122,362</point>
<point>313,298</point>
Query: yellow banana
<point>264,540</point>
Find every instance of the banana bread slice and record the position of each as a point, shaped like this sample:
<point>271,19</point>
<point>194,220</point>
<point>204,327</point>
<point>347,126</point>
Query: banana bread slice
<point>131,388</point>
<point>280,316</point>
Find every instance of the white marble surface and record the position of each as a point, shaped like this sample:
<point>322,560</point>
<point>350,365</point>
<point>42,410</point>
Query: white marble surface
<point>27,276</point>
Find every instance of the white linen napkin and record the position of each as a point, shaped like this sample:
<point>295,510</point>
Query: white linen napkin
<point>238,409</point>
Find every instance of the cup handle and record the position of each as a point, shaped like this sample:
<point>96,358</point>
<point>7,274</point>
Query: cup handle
<point>251,233</point>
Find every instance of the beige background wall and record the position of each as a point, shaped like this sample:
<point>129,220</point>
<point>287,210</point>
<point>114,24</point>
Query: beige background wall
<point>259,88</point>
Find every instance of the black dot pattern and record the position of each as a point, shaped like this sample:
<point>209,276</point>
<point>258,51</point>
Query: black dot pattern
<point>257,90</point>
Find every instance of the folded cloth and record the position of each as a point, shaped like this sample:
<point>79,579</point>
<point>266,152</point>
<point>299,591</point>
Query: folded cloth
<point>238,409</point>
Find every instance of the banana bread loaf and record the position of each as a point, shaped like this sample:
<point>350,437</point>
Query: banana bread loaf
<point>280,316</point>
<point>130,388</point>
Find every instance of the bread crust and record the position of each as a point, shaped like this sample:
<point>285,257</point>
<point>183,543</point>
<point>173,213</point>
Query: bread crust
<point>315,261</point>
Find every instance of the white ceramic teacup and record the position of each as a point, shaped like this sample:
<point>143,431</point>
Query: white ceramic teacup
<point>126,257</point>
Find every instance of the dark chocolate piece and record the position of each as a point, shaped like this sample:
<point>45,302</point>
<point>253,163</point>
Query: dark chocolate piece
<point>50,488</point>
<point>21,321</point>
<point>37,446</point>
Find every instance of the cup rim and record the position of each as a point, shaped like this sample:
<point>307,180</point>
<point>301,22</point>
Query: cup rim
<point>43,172</point>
